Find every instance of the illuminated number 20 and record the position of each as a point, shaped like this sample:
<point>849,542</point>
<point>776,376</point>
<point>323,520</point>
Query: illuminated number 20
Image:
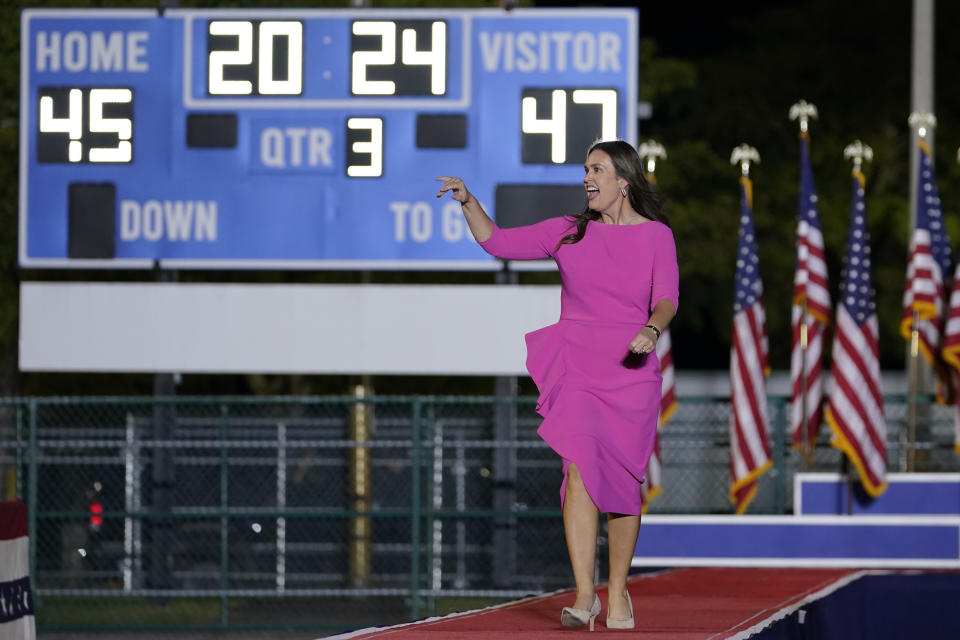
<point>267,83</point>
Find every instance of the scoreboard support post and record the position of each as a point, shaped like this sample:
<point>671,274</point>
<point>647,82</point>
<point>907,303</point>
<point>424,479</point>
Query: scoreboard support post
<point>504,549</point>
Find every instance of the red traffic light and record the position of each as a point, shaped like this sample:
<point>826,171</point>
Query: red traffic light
<point>96,515</point>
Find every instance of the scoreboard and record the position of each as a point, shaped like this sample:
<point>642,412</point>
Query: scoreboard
<point>282,139</point>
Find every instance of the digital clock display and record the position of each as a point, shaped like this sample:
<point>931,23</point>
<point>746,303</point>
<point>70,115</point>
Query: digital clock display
<point>282,139</point>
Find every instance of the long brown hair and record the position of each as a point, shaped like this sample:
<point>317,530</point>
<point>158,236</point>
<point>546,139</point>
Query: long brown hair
<point>643,199</point>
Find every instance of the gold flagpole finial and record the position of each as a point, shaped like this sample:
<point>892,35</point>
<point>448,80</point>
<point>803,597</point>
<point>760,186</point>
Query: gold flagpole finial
<point>858,152</point>
<point>922,121</point>
<point>649,151</point>
<point>744,155</point>
<point>803,111</point>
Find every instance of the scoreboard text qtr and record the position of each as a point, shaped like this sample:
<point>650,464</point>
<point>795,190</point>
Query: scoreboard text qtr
<point>279,139</point>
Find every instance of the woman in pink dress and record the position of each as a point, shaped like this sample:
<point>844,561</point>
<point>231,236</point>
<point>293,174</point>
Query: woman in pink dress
<point>597,369</point>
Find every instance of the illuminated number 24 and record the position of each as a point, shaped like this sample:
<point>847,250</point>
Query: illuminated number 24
<point>435,57</point>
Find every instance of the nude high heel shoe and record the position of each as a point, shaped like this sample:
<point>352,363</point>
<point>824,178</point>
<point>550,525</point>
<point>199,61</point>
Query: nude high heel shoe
<point>621,623</point>
<point>573,617</point>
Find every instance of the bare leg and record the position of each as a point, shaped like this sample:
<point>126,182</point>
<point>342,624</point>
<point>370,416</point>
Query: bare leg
<point>622,531</point>
<point>580,526</point>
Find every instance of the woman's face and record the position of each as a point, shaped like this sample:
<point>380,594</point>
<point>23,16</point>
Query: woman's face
<point>601,181</point>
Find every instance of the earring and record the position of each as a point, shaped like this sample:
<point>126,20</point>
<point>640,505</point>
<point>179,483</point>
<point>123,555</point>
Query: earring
<point>623,191</point>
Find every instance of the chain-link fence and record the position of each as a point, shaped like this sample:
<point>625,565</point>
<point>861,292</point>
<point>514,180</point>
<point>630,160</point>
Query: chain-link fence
<point>336,512</point>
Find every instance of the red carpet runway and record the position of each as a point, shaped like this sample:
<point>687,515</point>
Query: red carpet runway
<point>680,604</point>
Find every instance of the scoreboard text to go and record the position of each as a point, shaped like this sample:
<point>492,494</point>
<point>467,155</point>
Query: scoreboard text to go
<point>306,131</point>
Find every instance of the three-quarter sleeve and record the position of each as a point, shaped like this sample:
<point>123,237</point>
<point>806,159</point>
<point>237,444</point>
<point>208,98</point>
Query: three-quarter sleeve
<point>665,284</point>
<point>531,242</point>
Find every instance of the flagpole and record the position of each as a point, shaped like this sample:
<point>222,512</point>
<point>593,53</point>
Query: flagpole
<point>649,151</point>
<point>858,152</point>
<point>744,155</point>
<point>803,111</point>
<point>922,123</point>
<point>913,381</point>
<point>748,373</point>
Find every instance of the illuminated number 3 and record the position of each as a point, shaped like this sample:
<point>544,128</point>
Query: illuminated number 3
<point>372,147</point>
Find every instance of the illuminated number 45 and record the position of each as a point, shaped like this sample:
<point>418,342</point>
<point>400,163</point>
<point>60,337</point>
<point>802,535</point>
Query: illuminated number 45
<point>72,124</point>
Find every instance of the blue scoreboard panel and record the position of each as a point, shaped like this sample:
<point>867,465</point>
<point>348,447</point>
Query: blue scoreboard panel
<point>280,139</point>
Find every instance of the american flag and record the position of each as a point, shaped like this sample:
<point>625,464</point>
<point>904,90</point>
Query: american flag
<point>951,332</point>
<point>928,267</point>
<point>811,307</point>
<point>653,485</point>
<point>951,346</point>
<point>749,445</point>
<point>855,408</point>
<point>668,394</point>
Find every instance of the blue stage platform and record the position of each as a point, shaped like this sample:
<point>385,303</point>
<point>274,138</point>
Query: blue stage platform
<point>914,524</point>
<point>799,541</point>
<point>906,494</point>
<point>879,607</point>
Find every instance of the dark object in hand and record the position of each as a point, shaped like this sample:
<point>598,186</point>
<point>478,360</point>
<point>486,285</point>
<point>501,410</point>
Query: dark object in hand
<point>633,360</point>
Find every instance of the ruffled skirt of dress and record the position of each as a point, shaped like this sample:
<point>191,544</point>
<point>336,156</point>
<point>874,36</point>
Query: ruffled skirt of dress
<point>599,408</point>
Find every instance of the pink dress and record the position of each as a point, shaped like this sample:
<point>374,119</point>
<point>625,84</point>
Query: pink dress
<point>599,403</point>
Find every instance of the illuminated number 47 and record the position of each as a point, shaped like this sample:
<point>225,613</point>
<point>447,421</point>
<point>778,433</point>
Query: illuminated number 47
<point>557,124</point>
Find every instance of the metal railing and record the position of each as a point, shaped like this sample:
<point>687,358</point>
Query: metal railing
<point>334,512</point>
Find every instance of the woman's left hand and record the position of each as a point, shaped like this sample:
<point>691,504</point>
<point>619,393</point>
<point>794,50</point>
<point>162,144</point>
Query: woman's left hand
<point>456,188</point>
<point>644,342</point>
